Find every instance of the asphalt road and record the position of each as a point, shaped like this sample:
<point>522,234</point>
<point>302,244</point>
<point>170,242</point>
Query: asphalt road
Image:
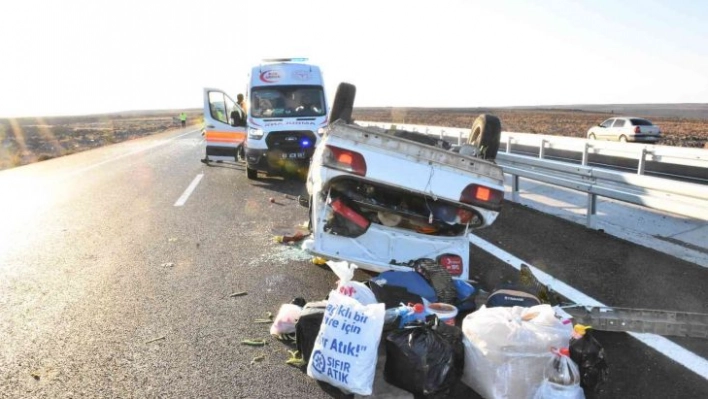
<point>107,289</point>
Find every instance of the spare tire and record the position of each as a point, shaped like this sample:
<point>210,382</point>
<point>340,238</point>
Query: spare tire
<point>343,104</point>
<point>485,135</point>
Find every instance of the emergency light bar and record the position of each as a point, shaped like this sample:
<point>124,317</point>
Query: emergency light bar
<point>284,59</point>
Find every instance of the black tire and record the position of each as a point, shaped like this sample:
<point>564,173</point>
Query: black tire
<point>343,105</point>
<point>591,136</point>
<point>622,139</point>
<point>252,174</point>
<point>486,133</point>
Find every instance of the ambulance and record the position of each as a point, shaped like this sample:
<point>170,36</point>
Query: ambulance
<point>286,116</point>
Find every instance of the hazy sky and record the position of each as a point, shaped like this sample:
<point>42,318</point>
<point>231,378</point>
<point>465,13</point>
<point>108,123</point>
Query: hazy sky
<point>80,57</point>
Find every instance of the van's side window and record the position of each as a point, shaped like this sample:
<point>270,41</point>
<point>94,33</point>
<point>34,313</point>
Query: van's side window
<point>217,106</point>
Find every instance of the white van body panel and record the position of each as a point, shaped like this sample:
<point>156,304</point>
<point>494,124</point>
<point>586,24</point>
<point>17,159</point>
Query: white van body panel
<point>405,166</point>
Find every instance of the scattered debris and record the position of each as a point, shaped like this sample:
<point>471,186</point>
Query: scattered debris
<point>254,342</point>
<point>235,294</point>
<point>257,359</point>
<point>168,264</point>
<point>319,261</point>
<point>156,339</point>
<point>262,321</point>
<point>289,338</point>
<point>172,239</point>
<point>269,315</point>
<point>272,200</point>
<point>296,359</point>
<point>298,236</point>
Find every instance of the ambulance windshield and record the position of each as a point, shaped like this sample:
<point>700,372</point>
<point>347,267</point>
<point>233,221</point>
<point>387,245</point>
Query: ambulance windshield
<point>287,101</point>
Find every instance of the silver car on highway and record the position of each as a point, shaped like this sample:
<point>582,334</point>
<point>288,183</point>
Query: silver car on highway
<point>626,128</point>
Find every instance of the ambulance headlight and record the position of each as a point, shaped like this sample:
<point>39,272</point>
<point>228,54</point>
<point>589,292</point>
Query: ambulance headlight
<point>255,134</point>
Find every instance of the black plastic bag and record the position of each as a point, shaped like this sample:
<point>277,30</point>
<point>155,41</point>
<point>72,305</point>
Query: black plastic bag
<point>426,359</point>
<point>308,326</point>
<point>589,355</point>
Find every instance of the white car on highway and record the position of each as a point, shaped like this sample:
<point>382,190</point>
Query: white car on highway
<point>626,128</point>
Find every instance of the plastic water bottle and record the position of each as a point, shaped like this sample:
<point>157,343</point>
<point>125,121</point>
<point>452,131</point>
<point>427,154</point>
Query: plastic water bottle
<point>405,314</point>
<point>561,370</point>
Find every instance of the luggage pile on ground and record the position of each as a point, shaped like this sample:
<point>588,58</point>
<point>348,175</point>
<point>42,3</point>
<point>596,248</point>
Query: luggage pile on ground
<point>434,337</point>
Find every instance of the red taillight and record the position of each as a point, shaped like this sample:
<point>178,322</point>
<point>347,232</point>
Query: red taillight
<point>476,194</point>
<point>451,263</point>
<point>637,129</point>
<point>339,158</point>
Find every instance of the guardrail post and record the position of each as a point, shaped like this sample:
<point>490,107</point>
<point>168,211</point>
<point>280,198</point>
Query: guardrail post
<point>442,134</point>
<point>515,188</point>
<point>592,210</point>
<point>642,161</point>
<point>508,144</point>
<point>542,149</point>
<point>584,161</point>
<point>459,138</point>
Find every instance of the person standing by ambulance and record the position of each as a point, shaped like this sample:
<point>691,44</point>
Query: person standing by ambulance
<point>241,102</point>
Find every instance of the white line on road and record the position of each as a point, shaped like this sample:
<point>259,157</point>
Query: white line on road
<point>662,345</point>
<point>158,144</point>
<point>188,191</point>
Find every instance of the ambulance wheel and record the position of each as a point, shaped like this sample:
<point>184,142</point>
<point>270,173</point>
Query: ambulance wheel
<point>343,104</point>
<point>252,174</point>
<point>486,133</point>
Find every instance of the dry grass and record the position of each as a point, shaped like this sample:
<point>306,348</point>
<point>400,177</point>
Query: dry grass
<point>681,132</point>
<point>28,140</point>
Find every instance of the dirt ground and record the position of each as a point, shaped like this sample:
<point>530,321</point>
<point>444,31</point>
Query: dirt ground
<point>677,131</point>
<point>28,140</point>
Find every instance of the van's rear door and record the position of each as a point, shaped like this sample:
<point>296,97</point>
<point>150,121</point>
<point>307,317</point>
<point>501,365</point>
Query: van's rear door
<point>224,129</point>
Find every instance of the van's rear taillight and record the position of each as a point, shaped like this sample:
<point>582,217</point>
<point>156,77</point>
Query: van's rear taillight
<point>637,130</point>
<point>339,158</point>
<point>451,263</point>
<point>481,195</point>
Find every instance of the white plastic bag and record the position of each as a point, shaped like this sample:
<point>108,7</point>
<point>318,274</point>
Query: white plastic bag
<point>286,319</point>
<point>346,348</point>
<point>561,378</point>
<point>506,349</point>
<point>359,291</point>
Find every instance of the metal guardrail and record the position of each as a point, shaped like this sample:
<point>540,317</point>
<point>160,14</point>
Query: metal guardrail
<point>686,199</point>
<point>695,157</point>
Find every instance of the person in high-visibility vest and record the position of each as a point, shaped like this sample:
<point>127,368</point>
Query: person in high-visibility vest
<point>183,118</point>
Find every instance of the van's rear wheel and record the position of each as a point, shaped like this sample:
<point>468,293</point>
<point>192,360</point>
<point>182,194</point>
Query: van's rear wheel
<point>252,174</point>
<point>343,104</point>
<point>486,133</point>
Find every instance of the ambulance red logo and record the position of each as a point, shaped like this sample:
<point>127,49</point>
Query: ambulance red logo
<point>270,76</point>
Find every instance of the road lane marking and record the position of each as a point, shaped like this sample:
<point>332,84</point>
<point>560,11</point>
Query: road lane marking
<point>161,143</point>
<point>188,191</point>
<point>661,344</point>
